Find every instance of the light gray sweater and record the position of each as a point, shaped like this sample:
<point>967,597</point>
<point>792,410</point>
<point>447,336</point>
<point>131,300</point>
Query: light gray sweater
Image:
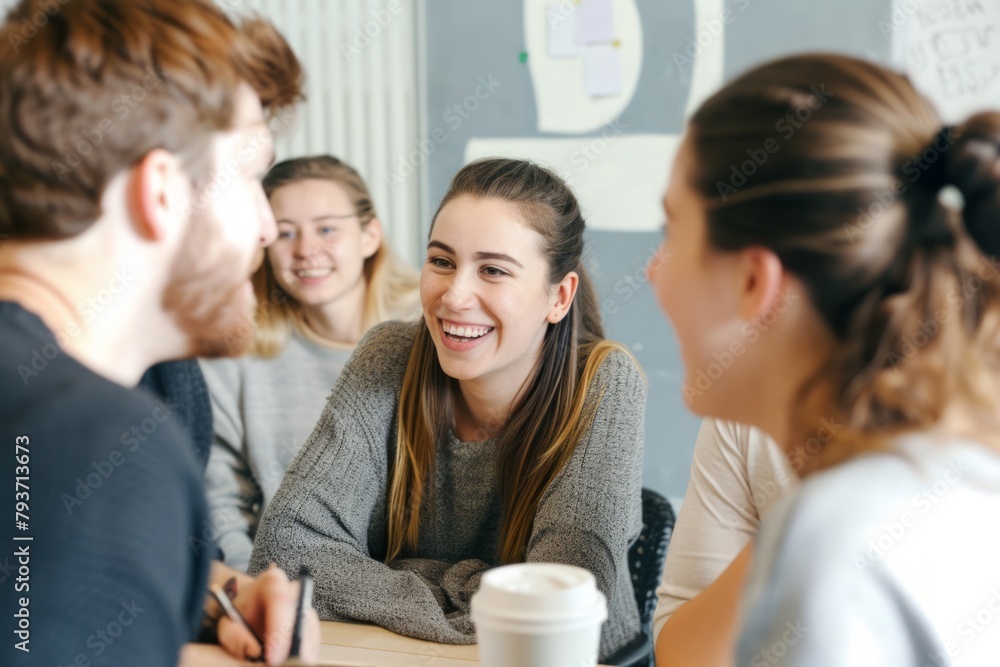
<point>263,410</point>
<point>330,511</point>
<point>887,560</point>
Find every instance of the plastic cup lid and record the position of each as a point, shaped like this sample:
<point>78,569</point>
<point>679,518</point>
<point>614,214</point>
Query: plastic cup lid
<point>539,591</point>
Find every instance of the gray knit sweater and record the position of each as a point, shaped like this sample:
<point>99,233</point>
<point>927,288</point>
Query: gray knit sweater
<point>330,510</point>
<point>263,412</point>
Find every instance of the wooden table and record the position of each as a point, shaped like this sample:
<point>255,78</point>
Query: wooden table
<point>372,646</point>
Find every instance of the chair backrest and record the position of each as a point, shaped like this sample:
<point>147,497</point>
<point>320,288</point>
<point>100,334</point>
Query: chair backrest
<point>645,564</point>
<point>647,555</point>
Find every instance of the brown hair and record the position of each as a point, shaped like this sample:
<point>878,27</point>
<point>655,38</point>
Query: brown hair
<point>100,84</point>
<point>392,287</point>
<point>837,165</point>
<point>555,409</point>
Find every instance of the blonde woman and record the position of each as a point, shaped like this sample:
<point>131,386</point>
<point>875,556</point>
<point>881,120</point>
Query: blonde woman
<point>501,428</point>
<point>326,280</point>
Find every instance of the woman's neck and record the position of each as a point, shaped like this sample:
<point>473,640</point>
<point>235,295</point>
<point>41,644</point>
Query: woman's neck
<point>479,418</point>
<point>339,322</point>
<point>483,404</point>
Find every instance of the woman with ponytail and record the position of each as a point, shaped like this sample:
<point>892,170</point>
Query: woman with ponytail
<point>501,428</point>
<point>851,273</point>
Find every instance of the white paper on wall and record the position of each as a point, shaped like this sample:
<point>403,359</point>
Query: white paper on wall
<point>952,52</point>
<point>602,70</point>
<point>562,32</point>
<point>559,84</point>
<point>618,178</point>
<point>595,21</point>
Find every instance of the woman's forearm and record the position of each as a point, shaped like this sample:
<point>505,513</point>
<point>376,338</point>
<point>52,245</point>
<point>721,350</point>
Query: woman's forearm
<point>704,630</point>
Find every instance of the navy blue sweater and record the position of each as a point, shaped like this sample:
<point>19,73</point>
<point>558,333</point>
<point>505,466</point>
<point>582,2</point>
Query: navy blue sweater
<point>105,563</point>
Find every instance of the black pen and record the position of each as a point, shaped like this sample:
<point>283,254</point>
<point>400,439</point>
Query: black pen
<point>234,614</point>
<point>305,603</point>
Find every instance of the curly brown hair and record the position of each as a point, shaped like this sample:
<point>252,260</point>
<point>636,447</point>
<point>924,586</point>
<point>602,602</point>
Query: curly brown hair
<point>98,84</point>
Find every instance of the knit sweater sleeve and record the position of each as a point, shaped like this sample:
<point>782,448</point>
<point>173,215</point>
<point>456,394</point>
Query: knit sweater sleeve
<point>229,483</point>
<point>592,512</point>
<point>329,513</point>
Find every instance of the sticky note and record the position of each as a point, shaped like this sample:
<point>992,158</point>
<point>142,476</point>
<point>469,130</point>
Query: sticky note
<point>595,21</point>
<point>602,70</point>
<point>561,20</point>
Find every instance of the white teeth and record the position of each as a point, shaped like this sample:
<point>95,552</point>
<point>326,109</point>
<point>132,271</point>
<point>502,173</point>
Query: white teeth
<point>312,273</point>
<point>466,331</point>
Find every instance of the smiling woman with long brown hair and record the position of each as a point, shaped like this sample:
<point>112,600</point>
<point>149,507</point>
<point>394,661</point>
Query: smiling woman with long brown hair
<point>502,428</point>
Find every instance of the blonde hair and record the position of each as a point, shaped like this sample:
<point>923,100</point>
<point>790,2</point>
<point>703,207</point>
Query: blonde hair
<point>392,286</point>
<point>850,201</point>
<point>542,429</point>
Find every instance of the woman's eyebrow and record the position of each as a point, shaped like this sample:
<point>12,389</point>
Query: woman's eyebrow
<point>443,246</point>
<point>479,255</point>
<point>497,255</point>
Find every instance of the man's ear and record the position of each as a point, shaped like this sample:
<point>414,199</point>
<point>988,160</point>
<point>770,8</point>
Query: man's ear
<point>371,237</point>
<point>565,293</point>
<point>762,279</point>
<point>156,196</point>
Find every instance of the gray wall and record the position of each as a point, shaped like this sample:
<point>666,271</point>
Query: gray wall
<point>467,39</point>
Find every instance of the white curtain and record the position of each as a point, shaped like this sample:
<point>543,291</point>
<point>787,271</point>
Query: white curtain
<point>361,64</point>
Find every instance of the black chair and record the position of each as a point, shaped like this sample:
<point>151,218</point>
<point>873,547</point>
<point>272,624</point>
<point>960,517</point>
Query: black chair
<point>645,563</point>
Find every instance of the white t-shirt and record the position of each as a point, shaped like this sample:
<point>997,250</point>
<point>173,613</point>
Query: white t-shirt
<point>891,559</point>
<point>736,475</point>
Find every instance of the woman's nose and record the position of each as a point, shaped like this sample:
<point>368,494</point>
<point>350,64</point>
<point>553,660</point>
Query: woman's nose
<point>457,296</point>
<point>306,245</point>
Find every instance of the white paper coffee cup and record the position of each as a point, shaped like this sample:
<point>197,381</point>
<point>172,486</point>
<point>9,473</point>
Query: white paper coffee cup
<point>538,615</point>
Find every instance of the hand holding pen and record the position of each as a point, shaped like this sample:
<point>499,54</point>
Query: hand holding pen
<point>272,609</point>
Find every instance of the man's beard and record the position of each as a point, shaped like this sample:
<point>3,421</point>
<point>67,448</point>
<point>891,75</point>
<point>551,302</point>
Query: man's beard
<point>206,293</point>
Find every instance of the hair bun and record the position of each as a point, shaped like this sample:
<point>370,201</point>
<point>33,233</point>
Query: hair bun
<point>974,168</point>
